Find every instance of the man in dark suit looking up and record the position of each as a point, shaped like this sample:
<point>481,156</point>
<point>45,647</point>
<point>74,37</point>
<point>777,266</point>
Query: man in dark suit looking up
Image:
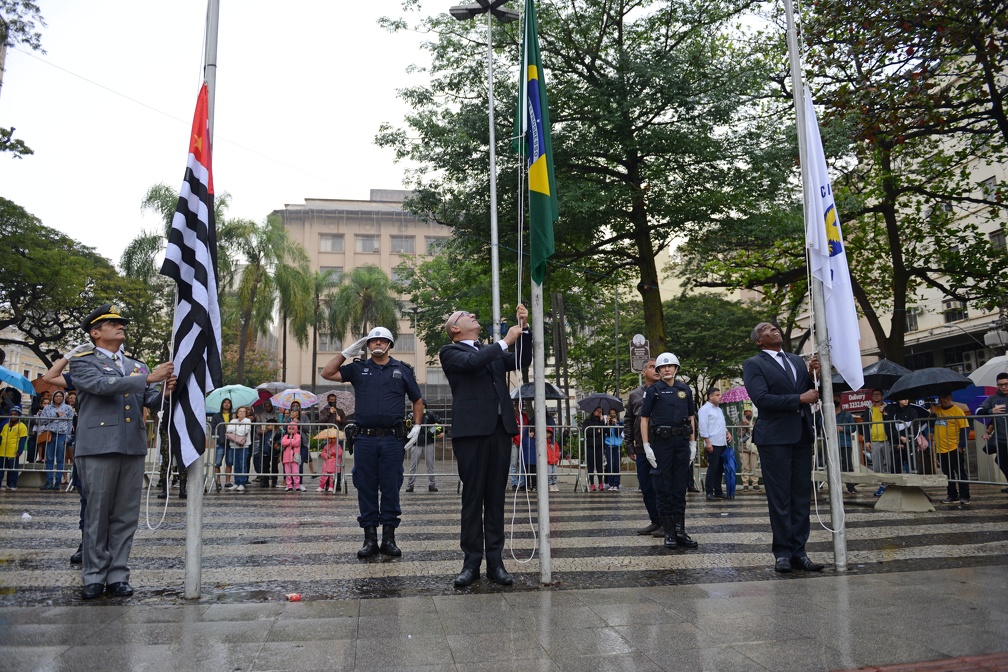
<point>782,389</point>
<point>482,426</point>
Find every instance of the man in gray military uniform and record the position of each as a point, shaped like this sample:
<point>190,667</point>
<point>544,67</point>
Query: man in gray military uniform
<point>112,391</point>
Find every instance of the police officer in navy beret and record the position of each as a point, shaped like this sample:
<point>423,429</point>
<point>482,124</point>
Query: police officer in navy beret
<point>112,391</point>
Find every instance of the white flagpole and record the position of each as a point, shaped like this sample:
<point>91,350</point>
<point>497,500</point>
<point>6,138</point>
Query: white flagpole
<point>539,401</point>
<point>195,475</point>
<point>819,305</point>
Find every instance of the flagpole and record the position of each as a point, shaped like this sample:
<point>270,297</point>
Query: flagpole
<point>195,472</point>
<point>819,311</point>
<point>539,403</point>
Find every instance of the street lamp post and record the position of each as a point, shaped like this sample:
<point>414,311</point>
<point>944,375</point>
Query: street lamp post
<point>492,8</point>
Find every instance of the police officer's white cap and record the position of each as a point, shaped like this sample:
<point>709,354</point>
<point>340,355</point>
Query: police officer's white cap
<point>381,332</point>
<point>666,358</point>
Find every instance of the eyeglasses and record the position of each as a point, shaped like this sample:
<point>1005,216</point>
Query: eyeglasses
<point>463,314</point>
<point>1002,382</point>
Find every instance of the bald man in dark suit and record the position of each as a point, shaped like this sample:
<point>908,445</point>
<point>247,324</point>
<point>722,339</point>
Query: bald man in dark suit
<point>781,387</point>
<point>483,423</point>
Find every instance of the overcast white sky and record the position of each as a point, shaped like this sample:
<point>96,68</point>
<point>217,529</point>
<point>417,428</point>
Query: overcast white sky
<point>302,87</point>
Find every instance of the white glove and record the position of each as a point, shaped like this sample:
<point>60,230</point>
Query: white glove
<point>411,438</point>
<point>692,450</point>
<point>354,349</point>
<point>82,348</point>
<point>650,455</point>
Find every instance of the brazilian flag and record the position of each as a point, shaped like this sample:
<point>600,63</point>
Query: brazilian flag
<point>532,133</point>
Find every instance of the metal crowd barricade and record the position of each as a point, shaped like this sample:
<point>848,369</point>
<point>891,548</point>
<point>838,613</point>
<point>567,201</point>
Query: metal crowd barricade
<point>31,456</point>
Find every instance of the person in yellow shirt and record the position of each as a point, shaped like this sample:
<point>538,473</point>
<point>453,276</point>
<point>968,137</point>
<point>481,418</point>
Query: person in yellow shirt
<point>951,430</point>
<point>13,440</point>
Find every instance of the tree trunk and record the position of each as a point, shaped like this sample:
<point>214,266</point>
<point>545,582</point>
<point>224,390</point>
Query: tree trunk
<point>283,370</point>
<point>654,318</point>
<point>246,323</point>
<point>314,345</point>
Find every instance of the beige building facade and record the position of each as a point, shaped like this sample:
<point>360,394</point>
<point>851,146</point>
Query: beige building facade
<point>342,235</point>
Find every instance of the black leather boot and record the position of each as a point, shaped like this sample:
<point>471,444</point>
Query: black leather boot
<point>164,489</point>
<point>370,546</point>
<point>683,539</point>
<point>182,489</point>
<point>388,545</point>
<point>668,525</point>
<point>78,557</point>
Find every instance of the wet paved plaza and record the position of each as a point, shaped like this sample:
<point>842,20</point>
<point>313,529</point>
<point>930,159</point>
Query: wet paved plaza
<point>921,587</point>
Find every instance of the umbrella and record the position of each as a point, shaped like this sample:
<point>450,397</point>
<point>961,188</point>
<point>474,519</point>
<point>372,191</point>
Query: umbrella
<point>728,462</point>
<point>596,399</point>
<point>986,375</point>
<point>275,387</point>
<point>881,375</point>
<point>41,386</point>
<point>344,400</point>
<point>15,379</point>
<point>733,394</point>
<point>527,391</point>
<point>263,396</point>
<point>931,382</point>
<point>288,397</point>
<point>328,433</point>
<point>239,395</point>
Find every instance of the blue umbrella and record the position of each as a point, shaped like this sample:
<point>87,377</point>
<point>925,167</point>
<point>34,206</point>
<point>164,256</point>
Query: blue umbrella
<point>730,468</point>
<point>15,379</point>
<point>240,395</point>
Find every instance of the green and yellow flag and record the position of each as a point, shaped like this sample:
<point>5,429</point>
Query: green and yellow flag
<point>532,133</point>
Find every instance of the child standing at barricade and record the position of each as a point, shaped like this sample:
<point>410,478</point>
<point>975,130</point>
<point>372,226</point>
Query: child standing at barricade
<point>291,444</point>
<point>552,460</point>
<point>332,457</point>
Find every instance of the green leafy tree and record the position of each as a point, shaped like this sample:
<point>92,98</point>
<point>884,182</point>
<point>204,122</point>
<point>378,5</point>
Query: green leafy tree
<point>19,22</point>
<point>50,282</point>
<point>657,132</point>
<point>323,310</point>
<point>293,285</point>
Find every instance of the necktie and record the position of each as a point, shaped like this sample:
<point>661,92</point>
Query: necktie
<point>115,360</point>
<point>477,345</point>
<point>786,365</point>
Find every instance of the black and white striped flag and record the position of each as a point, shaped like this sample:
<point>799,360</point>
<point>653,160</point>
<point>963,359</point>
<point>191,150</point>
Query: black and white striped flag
<point>191,260</point>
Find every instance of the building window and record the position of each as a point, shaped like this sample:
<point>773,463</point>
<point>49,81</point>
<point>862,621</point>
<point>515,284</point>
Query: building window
<point>337,271</point>
<point>331,242</point>
<point>988,186</point>
<point>399,276</point>
<point>911,320</point>
<point>367,244</point>
<point>402,244</point>
<point>329,343</point>
<point>405,343</point>
<point>997,239</point>
<point>954,310</point>
<point>435,376</point>
<point>435,244</point>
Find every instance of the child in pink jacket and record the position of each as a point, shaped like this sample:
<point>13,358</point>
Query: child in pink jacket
<point>332,457</point>
<point>291,444</point>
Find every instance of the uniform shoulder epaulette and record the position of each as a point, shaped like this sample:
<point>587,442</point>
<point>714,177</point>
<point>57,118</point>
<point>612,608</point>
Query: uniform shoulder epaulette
<point>85,353</point>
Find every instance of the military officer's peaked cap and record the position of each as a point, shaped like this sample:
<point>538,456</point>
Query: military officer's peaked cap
<point>106,311</point>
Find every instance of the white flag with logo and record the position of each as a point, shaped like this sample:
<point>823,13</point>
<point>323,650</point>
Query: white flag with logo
<point>828,257</point>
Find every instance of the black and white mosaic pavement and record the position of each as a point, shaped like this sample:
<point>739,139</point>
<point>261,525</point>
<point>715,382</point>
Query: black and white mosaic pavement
<point>263,543</point>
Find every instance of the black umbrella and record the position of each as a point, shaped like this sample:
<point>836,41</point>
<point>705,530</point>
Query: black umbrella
<point>881,375</point>
<point>596,399</point>
<point>932,382</point>
<point>527,391</point>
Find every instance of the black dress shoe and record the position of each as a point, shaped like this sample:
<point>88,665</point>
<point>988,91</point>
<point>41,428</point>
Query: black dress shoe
<point>712,498</point>
<point>119,589</point>
<point>78,557</point>
<point>806,564</point>
<point>92,591</point>
<point>432,488</point>
<point>783,565</point>
<point>409,489</point>
<point>466,577</point>
<point>500,575</point>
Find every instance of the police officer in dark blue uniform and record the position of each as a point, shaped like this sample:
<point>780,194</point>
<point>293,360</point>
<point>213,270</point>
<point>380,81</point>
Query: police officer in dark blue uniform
<point>668,425</point>
<point>380,433</point>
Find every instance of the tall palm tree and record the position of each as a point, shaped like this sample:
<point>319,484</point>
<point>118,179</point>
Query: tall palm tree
<point>365,298</point>
<point>294,292</point>
<point>266,248</point>
<point>322,286</point>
